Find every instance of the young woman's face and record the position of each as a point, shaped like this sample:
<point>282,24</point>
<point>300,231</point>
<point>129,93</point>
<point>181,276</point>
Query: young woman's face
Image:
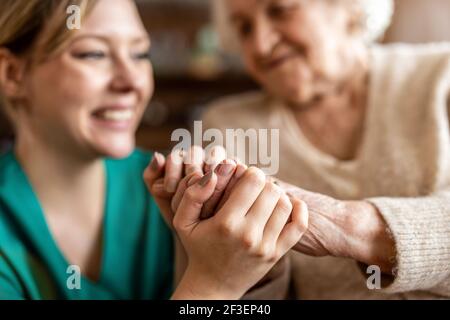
<point>91,97</point>
<point>297,49</point>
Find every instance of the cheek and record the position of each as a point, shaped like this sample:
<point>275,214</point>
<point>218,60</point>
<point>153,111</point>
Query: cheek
<point>148,84</point>
<point>66,89</point>
<point>249,62</point>
<point>335,61</point>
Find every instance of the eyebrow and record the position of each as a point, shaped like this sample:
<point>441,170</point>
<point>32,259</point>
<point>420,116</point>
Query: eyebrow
<point>236,18</point>
<point>138,39</point>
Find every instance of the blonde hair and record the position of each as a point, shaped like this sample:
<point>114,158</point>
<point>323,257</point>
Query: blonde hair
<point>376,16</point>
<point>23,23</point>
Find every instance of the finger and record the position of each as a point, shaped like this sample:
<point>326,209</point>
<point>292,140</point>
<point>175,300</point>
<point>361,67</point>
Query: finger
<point>238,173</point>
<point>244,194</point>
<point>214,156</point>
<point>182,186</point>
<point>293,230</point>
<point>189,210</point>
<point>261,211</point>
<point>154,170</point>
<point>224,172</point>
<point>162,199</point>
<point>174,170</point>
<point>277,221</point>
<point>194,160</point>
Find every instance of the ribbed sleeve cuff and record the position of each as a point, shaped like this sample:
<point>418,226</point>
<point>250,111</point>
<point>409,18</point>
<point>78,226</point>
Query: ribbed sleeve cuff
<point>421,230</point>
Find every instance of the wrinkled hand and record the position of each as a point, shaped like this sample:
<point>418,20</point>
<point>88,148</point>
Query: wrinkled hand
<point>349,229</point>
<point>327,230</point>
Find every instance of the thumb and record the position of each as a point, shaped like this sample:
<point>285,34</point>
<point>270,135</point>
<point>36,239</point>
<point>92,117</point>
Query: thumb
<point>189,210</point>
<point>162,199</point>
<point>154,170</point>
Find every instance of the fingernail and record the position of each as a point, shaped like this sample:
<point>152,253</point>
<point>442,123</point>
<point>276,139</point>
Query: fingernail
<point>192,181</point>
<point>205,180</point>
<point>171,185</point>
<point>224,169</point>
<point>155,163</point>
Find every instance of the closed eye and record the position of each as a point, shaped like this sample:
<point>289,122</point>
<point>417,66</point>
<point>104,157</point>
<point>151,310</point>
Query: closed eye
<point>142,56</point>
<point>90,55</point>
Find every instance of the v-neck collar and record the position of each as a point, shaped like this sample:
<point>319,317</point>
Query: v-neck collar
<point>19,195</point>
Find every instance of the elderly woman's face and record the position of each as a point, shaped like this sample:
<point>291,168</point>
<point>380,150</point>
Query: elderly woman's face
<point>298,50</point>
<point>91,97</point>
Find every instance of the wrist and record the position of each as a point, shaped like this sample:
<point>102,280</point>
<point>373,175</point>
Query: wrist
<point>370,241</point>
<point>196,286</point>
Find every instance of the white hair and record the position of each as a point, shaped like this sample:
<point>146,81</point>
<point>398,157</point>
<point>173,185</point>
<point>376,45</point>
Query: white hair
<point>377,18</point>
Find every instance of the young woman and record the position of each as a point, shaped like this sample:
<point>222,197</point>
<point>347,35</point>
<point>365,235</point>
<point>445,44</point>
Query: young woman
<point>76,220</point>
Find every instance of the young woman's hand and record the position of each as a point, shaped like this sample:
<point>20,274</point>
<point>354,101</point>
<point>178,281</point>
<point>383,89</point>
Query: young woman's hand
<point>229,252</point>
<point>228,172</point>
<point>162,176</point>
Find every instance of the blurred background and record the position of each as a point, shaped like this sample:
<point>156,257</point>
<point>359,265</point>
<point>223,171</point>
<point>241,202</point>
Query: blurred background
<point>191,71</point>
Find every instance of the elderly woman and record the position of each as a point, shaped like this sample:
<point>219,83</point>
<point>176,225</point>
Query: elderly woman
<point>365,129</point>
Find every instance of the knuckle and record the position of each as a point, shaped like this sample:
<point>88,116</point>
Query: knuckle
<point>227,227</point>
<point>176,156</point>
<point>249,241</point>
<point>272,257</point>
<point>177,224</point>
<point>300,228</point>
<point>267,253</point>
<point>273,189</point>
<point>147,175</point>
<point>304,216</point>
<point>192,197</point>
<point>285,205</point>
<point>255,176</point>
<point>240,167</point>
<point>191,176</point>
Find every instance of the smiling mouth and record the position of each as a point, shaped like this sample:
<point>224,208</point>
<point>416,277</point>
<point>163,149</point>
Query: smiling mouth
<point>274,63</point>
<point>114,114</point>
<point>114,118</point>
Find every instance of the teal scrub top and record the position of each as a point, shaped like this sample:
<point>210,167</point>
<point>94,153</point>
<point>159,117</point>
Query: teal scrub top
<point>137,252</point>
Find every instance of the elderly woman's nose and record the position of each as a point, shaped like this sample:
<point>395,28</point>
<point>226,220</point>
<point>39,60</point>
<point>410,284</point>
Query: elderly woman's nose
<point>265,37</point>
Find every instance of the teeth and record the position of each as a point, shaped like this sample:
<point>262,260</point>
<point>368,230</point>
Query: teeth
<point>116,115</point>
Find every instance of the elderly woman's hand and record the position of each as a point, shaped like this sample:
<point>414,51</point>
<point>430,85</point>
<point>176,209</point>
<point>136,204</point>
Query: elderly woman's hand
<point>351,229</point>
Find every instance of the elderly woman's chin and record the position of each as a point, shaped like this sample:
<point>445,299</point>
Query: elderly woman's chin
<point>296,87</point>
<point>298,95</point>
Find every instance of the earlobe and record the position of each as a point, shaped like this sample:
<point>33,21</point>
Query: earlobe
<point>11,74</point>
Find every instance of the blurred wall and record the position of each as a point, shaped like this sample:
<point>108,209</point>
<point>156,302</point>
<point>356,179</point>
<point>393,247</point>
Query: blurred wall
<point>417,21</point>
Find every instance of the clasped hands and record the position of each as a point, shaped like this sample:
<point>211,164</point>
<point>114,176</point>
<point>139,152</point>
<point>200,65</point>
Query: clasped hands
<point>235,223</point>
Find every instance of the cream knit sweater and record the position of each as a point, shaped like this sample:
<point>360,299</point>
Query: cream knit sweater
<point>403,168</point>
